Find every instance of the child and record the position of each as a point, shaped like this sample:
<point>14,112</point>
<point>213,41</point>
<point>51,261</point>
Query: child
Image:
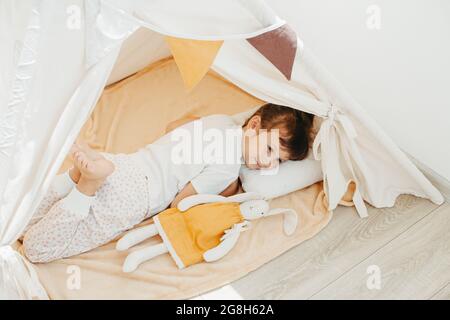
<point>104,195</point>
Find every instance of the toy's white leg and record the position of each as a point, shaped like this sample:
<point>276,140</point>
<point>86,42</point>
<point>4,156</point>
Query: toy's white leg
<point>136,236</point>
<point>136,258</point>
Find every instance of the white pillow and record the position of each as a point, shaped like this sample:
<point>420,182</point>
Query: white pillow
<point>289,177</point>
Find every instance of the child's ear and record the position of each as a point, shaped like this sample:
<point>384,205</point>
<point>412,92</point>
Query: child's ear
<point>255,123</point>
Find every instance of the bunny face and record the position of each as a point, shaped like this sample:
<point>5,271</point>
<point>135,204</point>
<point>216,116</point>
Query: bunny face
<point>254,209</point>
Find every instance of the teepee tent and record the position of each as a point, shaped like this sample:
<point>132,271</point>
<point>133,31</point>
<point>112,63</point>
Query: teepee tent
<point>58,65</point>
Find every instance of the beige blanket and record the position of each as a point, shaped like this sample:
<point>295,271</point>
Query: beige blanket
<point>131,114</point>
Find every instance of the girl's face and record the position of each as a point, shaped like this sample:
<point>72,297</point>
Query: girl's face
<point>261,148</point>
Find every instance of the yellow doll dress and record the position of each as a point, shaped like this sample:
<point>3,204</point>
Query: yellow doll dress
<point>189,234</point>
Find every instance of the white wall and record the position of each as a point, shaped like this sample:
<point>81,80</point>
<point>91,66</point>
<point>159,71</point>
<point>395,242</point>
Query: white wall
<point>399,73</point>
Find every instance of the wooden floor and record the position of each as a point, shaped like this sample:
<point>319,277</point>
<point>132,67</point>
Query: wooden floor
<point>406,248</point>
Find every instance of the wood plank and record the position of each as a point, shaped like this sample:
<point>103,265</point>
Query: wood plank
<point>347,240</point>
<point>413,266</point>
<point>443,294</point>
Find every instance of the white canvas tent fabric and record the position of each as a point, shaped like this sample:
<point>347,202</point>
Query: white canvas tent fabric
<point>60,73</point>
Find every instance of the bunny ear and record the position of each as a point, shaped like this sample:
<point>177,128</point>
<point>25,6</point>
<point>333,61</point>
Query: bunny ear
<point>290,219</point>
<point>197,199</point>
<point>242,197</point>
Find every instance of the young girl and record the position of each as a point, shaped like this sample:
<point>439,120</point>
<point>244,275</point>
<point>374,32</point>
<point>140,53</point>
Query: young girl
<point>104,195</point>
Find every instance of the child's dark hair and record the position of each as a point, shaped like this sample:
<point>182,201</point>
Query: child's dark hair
<point>297,127</point>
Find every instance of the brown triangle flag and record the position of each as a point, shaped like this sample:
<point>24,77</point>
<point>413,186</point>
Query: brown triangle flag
<point>279,46</point>
<point>193,58</point>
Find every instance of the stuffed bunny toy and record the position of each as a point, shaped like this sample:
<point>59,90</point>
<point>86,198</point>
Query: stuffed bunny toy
<point>202,228</point>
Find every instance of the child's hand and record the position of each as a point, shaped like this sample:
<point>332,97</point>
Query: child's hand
<point>232,189</point>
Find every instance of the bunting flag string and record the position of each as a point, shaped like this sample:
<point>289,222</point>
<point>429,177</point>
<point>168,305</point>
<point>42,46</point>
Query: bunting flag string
<point>279,46</point>
<point>193,58</point>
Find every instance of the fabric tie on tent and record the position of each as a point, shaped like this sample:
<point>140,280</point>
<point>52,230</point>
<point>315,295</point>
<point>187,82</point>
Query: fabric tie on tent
<point>193,58</point>
<point>328,146</point>
<point>279,46</point>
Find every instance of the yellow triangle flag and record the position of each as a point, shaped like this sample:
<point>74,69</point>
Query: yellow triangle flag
<point>193,58</point>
